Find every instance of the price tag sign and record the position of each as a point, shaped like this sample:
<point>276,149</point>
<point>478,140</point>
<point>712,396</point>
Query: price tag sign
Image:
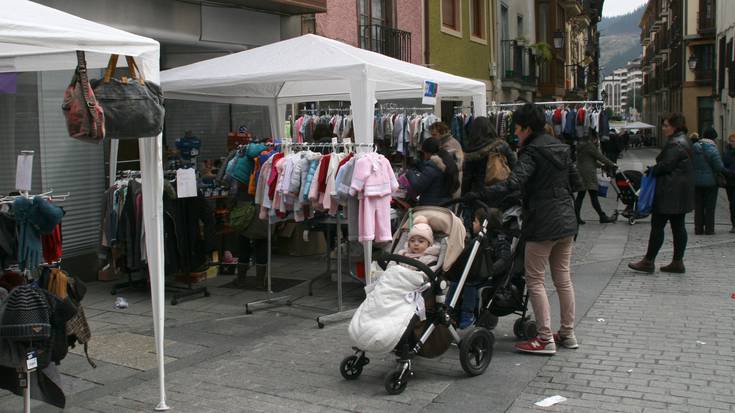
<point>334,141</point>
<point>31,361</point>
<point>430,92</point>
<point>24,171</point>
<point>347,141</point>
<point>186,183</point>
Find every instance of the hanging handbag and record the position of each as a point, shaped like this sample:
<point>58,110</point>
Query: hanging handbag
<point>85,119</point>
<point>133,106</point>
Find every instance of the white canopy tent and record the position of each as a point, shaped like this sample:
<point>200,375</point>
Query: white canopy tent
<point>312,68</point>
<point>37,38</point>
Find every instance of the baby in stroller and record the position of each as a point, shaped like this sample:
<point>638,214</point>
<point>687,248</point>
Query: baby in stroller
<point>420,245</point>
<point>491,262</point>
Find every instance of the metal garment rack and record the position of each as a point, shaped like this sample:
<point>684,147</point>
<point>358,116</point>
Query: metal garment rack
<point>277,301</point>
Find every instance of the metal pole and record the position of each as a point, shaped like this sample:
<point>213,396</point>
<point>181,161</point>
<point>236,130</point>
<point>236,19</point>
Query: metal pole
<point>339,263</point>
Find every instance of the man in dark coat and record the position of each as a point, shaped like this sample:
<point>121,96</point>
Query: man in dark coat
<point>674,195</point>
<point>547,177</point>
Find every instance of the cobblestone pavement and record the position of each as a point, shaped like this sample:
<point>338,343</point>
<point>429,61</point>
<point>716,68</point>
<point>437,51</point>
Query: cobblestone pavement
<point>648,343</point>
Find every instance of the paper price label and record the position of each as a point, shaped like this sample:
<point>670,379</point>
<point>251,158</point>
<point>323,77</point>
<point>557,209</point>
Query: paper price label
<point>24,171</point>
<point>186,183</point>
<point>31,361</point>
<point>334,141</point>
<point>347,141</point>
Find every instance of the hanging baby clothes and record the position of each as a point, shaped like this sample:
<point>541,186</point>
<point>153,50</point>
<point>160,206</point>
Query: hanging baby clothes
<point>374,179</point>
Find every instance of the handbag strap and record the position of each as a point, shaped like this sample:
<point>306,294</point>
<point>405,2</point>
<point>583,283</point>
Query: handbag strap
<point>89,98</point>
<point>133,71</point>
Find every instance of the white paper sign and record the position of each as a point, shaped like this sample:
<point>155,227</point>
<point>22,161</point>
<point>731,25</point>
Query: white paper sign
<point>24,171</point>
<point>430,91</point>
<point>186,183</point>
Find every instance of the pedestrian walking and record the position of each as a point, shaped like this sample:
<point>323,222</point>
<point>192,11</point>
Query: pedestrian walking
<point>589,159</point>
<point>673,198</point>
<point>728,159</point>
<point>547,177</point>
<point>707,165</point>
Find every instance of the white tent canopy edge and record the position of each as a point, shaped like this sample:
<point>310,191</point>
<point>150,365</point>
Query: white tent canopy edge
<point>34,37</point>
<point>312,68</point>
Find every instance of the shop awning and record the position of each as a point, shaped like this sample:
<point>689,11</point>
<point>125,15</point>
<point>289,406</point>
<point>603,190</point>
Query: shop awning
<point>34,37</point>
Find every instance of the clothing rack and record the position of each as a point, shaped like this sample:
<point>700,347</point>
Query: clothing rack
<point>288,299</point>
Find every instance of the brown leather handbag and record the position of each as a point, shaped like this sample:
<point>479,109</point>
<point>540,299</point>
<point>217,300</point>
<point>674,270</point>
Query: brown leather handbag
<point>133,106</point>
<point>85,118</point>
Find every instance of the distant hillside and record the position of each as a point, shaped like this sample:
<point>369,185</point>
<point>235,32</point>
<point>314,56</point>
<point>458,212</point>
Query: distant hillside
<point>619,40</point>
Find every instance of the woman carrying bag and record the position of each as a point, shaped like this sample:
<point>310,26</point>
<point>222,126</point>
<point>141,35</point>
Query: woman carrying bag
<point>589,159</point>
<point>674,196</point>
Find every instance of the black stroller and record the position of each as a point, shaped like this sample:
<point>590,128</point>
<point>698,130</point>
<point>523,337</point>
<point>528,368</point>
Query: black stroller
<point>627,184</point>
<point>505,293</point>
<point>432,337</point>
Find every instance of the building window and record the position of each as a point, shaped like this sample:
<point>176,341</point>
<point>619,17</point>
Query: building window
<point>721,66</point>
<point>730,70</point>
<point>477,19</point>
<point>705,113</point>
<point>543,22</point>
<point>308,24</point>
<point>452,15</point>
<point>521,28</point>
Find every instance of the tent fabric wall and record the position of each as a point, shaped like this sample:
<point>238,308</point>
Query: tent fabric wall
<point>39,38</point>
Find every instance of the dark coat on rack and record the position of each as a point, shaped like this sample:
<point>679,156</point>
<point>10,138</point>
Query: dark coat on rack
<point>674,171</point>
<point>547,176</point>
<point>189,228</point>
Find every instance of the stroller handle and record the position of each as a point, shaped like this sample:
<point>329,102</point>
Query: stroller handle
<point>384,259</point>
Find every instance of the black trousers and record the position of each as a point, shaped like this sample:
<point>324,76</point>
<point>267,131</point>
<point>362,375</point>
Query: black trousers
<point>705,201</point>
<point>731,198</point>
<point>595,203</point>
<point>255,248</point>
<point>656,238</point>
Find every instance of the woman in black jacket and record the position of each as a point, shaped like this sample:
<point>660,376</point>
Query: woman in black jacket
<point>674,195</point>
<point>482,141</point>
<point>436,177</point>
<point>547,177</point>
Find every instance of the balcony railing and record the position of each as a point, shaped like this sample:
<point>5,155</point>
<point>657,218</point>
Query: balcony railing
<point>706,23</point>
<point>519,63</point>
<point>386,40</point>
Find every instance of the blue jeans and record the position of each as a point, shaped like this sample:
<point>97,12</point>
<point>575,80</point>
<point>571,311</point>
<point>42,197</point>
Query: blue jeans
<point>469,297</point>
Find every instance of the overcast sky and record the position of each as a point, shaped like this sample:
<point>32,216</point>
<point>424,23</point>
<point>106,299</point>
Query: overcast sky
<point>618,7</point>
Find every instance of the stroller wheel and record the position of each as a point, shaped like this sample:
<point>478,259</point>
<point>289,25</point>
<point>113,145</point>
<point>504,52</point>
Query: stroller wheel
<point>351,367</point>
<point>631,220</point>
<point>396,381</point>
<point>531,329</point>
<point>476,351</point>
<point>524,328</point>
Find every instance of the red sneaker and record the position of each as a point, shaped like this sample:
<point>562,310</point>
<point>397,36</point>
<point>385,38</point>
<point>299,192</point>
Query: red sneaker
<point>537,345</point>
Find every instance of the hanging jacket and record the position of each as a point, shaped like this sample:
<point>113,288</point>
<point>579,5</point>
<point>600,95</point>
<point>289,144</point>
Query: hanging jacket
<point>707,163</point>
<point>244,163</point>
<point>189,233</point>
<point>674,171</point>
<point>570,125</point>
